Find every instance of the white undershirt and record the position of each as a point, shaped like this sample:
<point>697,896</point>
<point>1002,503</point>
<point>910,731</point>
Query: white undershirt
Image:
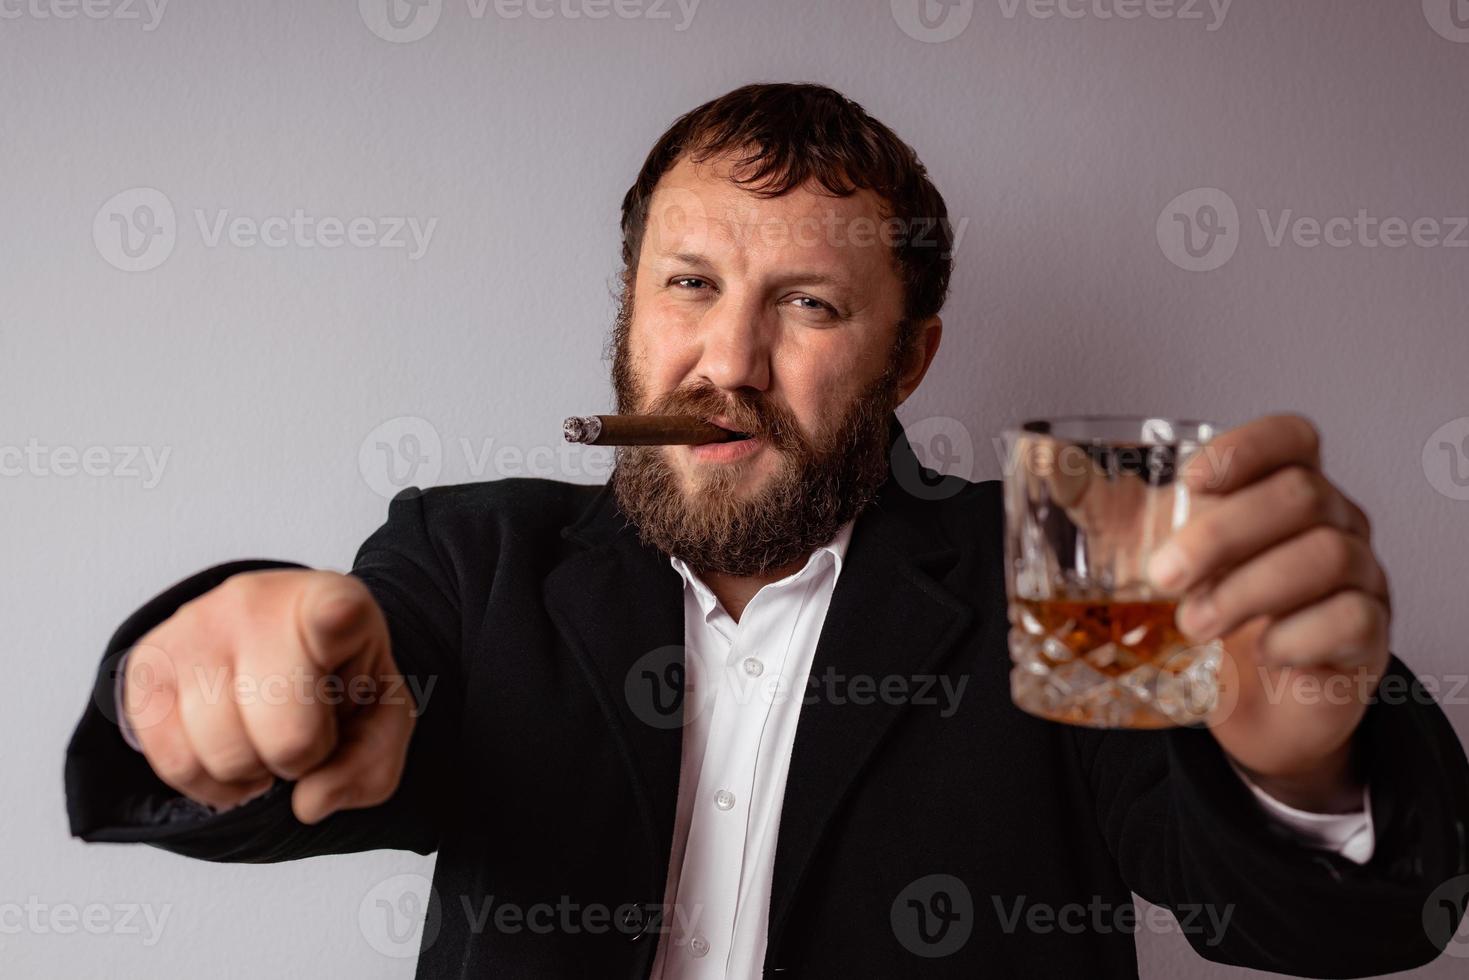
<point>740,726</point>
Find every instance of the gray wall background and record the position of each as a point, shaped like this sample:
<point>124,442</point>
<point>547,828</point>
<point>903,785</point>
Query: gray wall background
<point>271,377</point>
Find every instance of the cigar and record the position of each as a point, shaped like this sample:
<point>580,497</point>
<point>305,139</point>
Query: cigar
<point>645,430</point>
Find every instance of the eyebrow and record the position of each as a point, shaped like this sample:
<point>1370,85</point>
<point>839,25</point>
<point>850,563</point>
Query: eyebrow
<point>804,277</point>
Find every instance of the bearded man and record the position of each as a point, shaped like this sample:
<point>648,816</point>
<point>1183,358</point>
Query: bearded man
<point>744,711</point>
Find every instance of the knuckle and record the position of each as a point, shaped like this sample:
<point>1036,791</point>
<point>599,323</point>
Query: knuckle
<point>294,748</point>
<point>1303,492</point>
<point>378,785</point>
<point>1333,552</point>
<point>1306,432</point>
<point>178,768</point>
<point>232,763</point>
<point>1362,616</point>
<point>1206,541</point>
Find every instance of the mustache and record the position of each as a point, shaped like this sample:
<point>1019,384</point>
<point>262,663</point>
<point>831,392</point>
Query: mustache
<point>757,417</point>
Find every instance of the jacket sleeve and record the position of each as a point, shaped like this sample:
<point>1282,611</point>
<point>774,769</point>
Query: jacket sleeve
<point>1186,835</point>
<point>113,795</point>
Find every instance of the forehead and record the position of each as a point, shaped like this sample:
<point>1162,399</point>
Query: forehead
<point>697,209</point>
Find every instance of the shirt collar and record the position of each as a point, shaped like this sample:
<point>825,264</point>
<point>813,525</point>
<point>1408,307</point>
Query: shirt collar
<point>834,550</point>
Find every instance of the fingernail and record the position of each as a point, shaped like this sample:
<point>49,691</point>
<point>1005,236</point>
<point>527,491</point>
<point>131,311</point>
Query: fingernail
<point>1166,568</point>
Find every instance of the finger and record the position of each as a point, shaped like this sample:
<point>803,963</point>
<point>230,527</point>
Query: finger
<point>1242,455</point>
<point>289,721</point>
<point>1236,527</point>
<point>1071,473</point>
<point>291,728</point>
<point>1289,575</point>
<point>172,757</point>
<point>365,770</point>
<point>1347,629</point>
<point>150,688</point>
<point>211,721</point>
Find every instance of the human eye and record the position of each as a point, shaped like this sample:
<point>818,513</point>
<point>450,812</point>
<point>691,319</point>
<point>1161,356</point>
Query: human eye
<point>811,304</point>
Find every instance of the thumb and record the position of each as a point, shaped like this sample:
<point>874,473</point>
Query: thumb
<point>338,620</point>
<point>367,766</point>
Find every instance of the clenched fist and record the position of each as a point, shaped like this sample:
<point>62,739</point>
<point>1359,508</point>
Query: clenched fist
<point>272,674</point>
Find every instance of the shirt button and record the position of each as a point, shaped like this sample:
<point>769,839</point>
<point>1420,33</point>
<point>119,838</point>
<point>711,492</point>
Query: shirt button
<point>753,667</point>
<point>724,799</point>
<point>699,946</point>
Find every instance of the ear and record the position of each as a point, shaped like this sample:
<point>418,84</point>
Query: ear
<point>925,346</point>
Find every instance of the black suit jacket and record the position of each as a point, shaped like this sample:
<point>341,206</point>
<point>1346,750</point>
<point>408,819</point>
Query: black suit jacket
<point>918,836</point>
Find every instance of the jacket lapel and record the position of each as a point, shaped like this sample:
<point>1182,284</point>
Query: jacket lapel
<point>889,616</point>
<point>619,607</point>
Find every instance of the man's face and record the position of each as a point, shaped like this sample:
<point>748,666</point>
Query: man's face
<point>772,316</point>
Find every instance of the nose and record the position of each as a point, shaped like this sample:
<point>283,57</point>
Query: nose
<point>735,349</point>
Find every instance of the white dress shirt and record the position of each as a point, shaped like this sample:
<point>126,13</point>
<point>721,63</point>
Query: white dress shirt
<point>744,685</point>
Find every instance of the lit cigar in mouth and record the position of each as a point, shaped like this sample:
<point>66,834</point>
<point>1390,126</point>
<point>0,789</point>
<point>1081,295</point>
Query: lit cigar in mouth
<point>646,430</point>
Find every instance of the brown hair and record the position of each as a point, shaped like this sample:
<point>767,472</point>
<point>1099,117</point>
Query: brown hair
<point>782,135</point>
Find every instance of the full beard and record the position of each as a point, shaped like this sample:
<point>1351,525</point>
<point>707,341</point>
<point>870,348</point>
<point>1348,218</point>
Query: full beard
<point>818,486</point>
